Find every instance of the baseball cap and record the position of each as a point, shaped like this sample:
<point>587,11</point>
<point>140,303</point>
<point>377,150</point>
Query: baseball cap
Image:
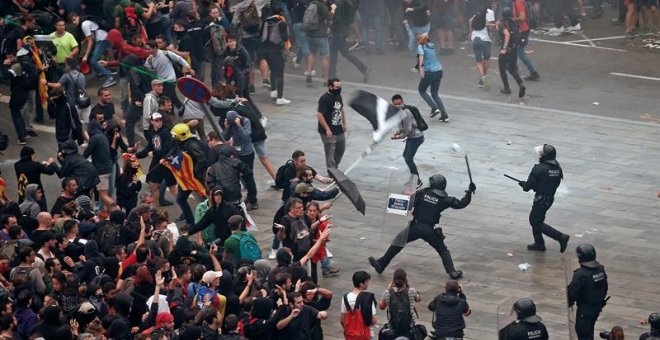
<point>211,275</point>
<point>156,82</point>
<point>156,115</point>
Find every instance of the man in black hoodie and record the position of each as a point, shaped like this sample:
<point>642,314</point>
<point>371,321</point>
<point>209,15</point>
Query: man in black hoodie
<point>28,171</point>
<point>77,167</point>
<point>99,149</point>
<point>120,327</point>
<point>217,214</point>
<point>449,308</point>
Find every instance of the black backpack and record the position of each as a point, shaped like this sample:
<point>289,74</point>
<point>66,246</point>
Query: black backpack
<point>398,312</point>
<point>515,38</point>
<point>103,25</point>
<point>109,238</point>
<point>419,120</point>
<point>280,181</point>
<point>28,79</point>
<point>82,99</point>
<point>479,21</point>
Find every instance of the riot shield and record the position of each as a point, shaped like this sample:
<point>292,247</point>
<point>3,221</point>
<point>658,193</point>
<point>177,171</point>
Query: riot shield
<point>570,311</point>
<point>399,201</point>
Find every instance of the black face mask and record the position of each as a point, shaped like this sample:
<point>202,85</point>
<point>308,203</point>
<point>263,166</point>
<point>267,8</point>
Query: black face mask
<point>179,34</point>
<point>335,92</point>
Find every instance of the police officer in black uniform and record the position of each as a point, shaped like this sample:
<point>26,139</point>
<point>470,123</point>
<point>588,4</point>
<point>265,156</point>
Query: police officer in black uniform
<point>544,179</point>
<point>527,326</point>
<point>654,321</point>
<point>428,205</point>
<point>588,289</point>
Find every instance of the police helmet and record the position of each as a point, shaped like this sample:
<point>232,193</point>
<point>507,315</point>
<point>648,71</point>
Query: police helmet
<point>586,252</point>
<point>526,310</point>
<point>438,181</point>
<point>181,132</point>
<point>654,321</point>
<point>546,152</point>
<point>507,13</point>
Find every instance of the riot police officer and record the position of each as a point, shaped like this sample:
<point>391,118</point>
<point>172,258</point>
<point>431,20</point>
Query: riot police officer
<point>427,207</point>
<point>654,321</point>
<point>588,289</point>
<point>528,325</point>
<point>544,179</point>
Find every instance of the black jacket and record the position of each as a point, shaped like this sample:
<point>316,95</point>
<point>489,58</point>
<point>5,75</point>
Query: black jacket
<point>226,173</point>
<point>67,121</point>
<point>99,148</point>
<point>239,57</point>
<point>127,192</point>
<point>197,150</point>
<point>588,288</point>
<point>429,204</point>
<point>544,178</point>
<point>218,215</point>
<point>31,171</point>
<point>76,166</point>
<point>448,318</point>
<point>160,143</point>
<point>521,330</point>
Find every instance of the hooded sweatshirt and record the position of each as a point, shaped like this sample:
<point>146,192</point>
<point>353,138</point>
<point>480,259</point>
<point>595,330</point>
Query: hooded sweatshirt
<point>30,169</point>
<point>30,207</point>
<point>76,166</point>
<point>98,148</point>
<point>240,135</point>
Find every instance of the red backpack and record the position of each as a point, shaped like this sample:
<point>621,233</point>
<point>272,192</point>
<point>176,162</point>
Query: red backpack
<point>354,327</point>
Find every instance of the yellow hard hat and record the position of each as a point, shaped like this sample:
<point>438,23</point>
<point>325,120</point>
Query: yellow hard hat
<point>181,132</point>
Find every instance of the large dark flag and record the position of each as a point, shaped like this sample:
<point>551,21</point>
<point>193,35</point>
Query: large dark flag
<point>383,116</point>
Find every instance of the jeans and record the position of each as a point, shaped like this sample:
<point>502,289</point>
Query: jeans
<point>250,185</point>
<point>334,148</point>
<point>182,201</point>
<point>426,232</point>
<point>275,58</point>
<point>132,118</point>
<point>412,144</point>
<point>99,50</point>
<point>525,59</point>
<point>537,217</point>
<point>413,31</point>
<point>29,108</point>
<point>373,21</point>
<point>325,265</point>
<point>169,89</point>
<point>432,79</point>
<point>338,45</point>
<point>301,39</point>
<point>509,62</point>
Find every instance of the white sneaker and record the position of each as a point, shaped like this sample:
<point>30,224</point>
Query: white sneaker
<point>555,30</point>
<point>264,121</point>
<point>282,101</point>
<point>577,27</point>
<point>273,94</point>
<point>273,254</point>
<point>313,73</point>
<point>328,253</point>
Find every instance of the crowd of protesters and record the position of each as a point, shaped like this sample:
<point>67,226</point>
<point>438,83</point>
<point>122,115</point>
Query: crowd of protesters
<point>105,260</point>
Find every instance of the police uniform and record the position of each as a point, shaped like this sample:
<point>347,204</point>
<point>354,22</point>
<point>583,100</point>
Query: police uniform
<point>521,330</point>
<point>428,206</point>
<point>544,179</point>
<point>588,289</point>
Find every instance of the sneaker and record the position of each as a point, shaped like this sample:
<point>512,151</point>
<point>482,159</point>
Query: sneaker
<point>480,84</point>
<point>251,206</point>
<point>282,101</point>
<point>414,70</point>
<point>563,243</point>
<point>486,81</point>
<point>534,76</point>
<point>328,253</point>
<point>536,247</point>
<point>252,89</point>
<point>574,28</point>
<point>273,254</point>
<point>444,118</point>
<point>313,73</point>
<point>181,218</point>
<point>109,82</point>
<point>521,92</point>
<point>357,43</point>
<point>376,265</point>
<point>31,133</point>
<point>265,83</point>
<point>505,91</point>
<point>165,203</point>
<point>616,22</point>
<point>273,94</point>
<point>331,271</point>
<point>308,79</point>
<point>555,30</point>
<point>21,142</point>
<point>434,113</point>
<point>264,121</point>
<point>456,274</point>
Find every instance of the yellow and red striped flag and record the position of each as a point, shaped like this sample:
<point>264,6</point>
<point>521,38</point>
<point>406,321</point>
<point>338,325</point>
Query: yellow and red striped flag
<point>181,166</point>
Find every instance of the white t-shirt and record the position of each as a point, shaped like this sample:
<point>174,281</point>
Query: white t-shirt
<point>90,27</point>
<point>483,34</point>
<point>351,297</point>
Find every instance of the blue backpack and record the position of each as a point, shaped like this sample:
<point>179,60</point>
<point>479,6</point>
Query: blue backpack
<point>248,246</point>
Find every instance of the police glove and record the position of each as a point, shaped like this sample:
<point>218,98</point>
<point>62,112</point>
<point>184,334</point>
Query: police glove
<point>523,184</point>
<point>472,187</point>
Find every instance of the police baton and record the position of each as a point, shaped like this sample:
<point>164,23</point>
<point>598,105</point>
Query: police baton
<point>512,178</point>
<point>467,163</point>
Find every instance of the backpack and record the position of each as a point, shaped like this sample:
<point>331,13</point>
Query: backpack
<point>311,17</point>
<point>29,76</point>
<point>103,25</point>
<point>250,16</point>
<point>419,120</point>
<point>248,247</point>
<point>271,32</point>
<point>22,274</point>
<point>109,238</point>
<point>301,236</point>
<point>4,141</point>
<point>479,21</point>
<point>515,38</point>
<point>8,40</point>
<point>82,99</point>
<point>280,181</point>
<point>217,39</point>
<point>354,327</point>
<point>398,312</point>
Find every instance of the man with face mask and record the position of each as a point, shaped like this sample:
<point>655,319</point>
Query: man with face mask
<point>332,123</point>
<point>410,132</point>
<point>544,179</point>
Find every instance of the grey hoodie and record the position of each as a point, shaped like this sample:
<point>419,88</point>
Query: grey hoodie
<point>30,207</point>
<point>240,135</point>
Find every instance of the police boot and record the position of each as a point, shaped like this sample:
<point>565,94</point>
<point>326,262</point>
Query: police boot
<point>449,266</point>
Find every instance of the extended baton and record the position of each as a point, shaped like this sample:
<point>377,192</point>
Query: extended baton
<point>513,178</point>
<point>468,168</point>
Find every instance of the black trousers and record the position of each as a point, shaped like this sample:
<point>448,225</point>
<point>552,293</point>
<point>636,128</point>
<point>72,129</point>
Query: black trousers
<point>509,62</point>
<point>559,8</point>
<point>275,58</point>
<point>426,232</point>
<point>338,45</point>
<point>585,321</point>
<point>169,89</point>
<point>248,180</point>
<point>537,220</point>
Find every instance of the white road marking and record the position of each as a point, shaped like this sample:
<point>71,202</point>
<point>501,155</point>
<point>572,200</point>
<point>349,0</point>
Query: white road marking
<point>600,39</point>
<point>568,43</point>
<point>591,43</point>
<point>634,76</point>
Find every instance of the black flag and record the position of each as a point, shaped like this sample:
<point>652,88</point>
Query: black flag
<point>383,116</point>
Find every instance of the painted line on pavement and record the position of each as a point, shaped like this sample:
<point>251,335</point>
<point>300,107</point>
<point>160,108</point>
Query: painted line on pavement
<point>568,43</point>
<point>627,75</point>
<point>487,103</point>
<point>599,39</point>
<point>591,43</point>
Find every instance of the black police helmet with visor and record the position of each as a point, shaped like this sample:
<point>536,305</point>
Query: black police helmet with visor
<point>547,154</point>
<point>525,310</point>
<point>654,321</point>
<point>438,181</point>
<point>586,253</point>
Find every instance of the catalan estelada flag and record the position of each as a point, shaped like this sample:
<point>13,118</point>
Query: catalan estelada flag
<point>181,166</point>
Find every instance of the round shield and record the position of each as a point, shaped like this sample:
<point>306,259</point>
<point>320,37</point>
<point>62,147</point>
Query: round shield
<point>193,89</point>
